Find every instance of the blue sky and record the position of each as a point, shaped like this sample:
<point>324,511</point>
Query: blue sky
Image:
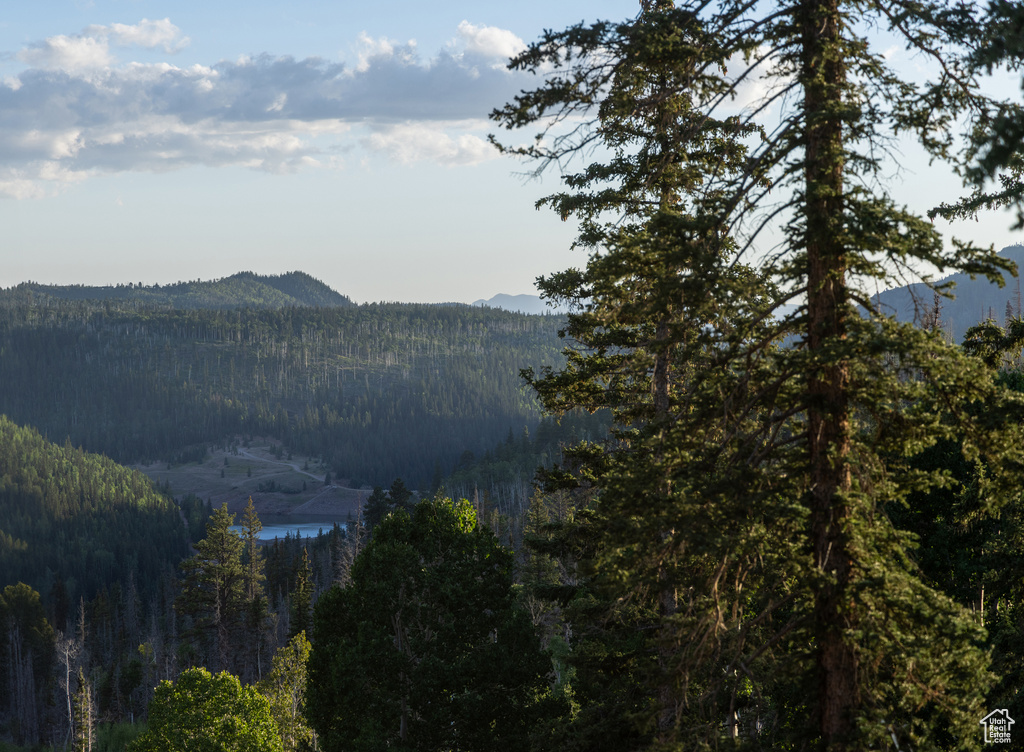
<point>156,141</point>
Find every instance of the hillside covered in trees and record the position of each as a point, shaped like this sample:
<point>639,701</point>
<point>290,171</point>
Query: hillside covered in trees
<point>90,548</point>
<point>788,520</point>
<point>73,522</point>
<point>378,391</point>
<point>96,579</point>
<point>973,300</point>
<point>242,289</point>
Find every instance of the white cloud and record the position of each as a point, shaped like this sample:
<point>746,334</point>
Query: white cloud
<point>68,54</point>
<point>371,49</point>
<point>490,41</point>
<point>78,111</point>
<point>415,142</point>
<point>146,33</point>
<point>39,180</point>
<point>90,49</point>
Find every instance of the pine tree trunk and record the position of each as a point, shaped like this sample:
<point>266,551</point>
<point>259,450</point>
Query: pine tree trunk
<point>223,644</point>
<point>824,78</point>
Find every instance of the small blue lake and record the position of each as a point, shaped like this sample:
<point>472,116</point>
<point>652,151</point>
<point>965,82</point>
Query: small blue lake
<point>302,525</point>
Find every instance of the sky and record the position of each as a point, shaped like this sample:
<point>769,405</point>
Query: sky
<point>154,141</point>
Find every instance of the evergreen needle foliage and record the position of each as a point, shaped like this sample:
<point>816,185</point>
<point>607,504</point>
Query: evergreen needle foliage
<point>741,518</point>
<point>426,647</point>
<point>213,593</point>
<point>376,391</point>
<point>72,522</point>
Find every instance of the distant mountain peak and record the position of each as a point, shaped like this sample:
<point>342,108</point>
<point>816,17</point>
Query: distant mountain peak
<point>974,299</point>
<point>244,289</point>
<point>519,304</point>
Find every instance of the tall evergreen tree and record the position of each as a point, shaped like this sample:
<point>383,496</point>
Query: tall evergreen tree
<point>746,492</point>
<point>376,508</point>
<point>256,606</point>
<point>400,496</point>
<point>213,591</point>
<point>381,503</point>
<point>27,643</point>
<point>254,574</point>
<point>426,648</point>
<point>84,715</point>
<point>301,612</point>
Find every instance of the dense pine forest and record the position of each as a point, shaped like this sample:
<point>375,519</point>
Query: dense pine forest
<point>769,514</point>
<point>95,557</point>
<point>72,523</point>
<point>85,546</point>
<point>377,391</point>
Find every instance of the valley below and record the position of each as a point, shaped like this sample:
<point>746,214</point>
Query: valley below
<point>279,488</point>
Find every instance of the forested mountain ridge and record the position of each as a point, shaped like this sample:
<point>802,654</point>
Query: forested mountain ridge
<point>974,300</point>
<point>90,554</point>
<point>815,547</point>
<point>72,522</point>
<point>379,391</point>
<point>242,289</point>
